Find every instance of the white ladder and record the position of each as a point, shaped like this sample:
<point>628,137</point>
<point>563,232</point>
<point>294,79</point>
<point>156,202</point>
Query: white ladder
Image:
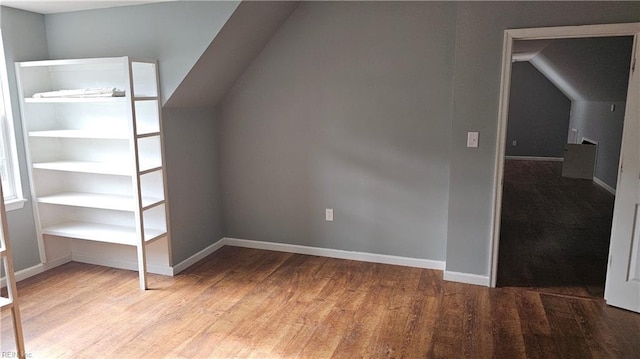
<point>11,300</point>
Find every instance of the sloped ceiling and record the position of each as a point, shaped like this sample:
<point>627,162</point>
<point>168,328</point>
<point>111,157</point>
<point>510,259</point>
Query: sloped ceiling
<point>58,6</point>
<point>526,50</point>
<point>175,33</point>
<point>585,69</point>
<point>234,48</point>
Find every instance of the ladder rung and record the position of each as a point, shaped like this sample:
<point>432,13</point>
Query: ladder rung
<point>151,134</point>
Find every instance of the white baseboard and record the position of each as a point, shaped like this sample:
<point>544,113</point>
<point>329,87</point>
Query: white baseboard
<point>155,269</point>
<point>534,158</point>
<point>281,247</point>
<point>601,183</point>
<point>56,262</point>
<point>197,257</point>
<point>36,269</point>
<point>468,278</point>
<point>336,253</point>
<point>24,274</point>
<point>42,267</point>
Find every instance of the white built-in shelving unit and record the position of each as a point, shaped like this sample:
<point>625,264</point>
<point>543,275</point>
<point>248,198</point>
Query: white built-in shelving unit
<point>96,163</point>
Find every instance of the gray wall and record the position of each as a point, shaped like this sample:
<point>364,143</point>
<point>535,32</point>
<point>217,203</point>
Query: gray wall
<point>23,35</point>
<point>174,33</point>
<point>348,107</point>
<point>191,154</point>
<point>538,114</point>
<point>595,121</point>
<point>314,123</point>
<point>480,33</point>
<point>361,107</point>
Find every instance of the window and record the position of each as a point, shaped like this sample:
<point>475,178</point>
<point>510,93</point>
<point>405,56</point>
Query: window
<point>9,171</point>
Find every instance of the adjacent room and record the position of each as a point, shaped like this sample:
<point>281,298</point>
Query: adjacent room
<point>279,179</point>
<point>566,114</point>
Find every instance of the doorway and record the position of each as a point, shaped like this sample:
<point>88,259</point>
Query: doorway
<point>558,193</point>
<point>624,227</point>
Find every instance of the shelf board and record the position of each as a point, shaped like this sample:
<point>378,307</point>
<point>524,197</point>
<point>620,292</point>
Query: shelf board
<point>98,200</point>
<point>75,99</point>
<point>5,302</point>
<point>74,62</point>
<point>88,134</point>
<point>101,232</point>
<point>85,167</point>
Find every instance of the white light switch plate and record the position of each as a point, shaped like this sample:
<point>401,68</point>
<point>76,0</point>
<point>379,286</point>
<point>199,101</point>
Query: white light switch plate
<point>472,139</point>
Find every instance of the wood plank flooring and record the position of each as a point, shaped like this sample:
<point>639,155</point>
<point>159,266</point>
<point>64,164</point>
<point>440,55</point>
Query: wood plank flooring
<point>260,304</point>
<point>554,232</point>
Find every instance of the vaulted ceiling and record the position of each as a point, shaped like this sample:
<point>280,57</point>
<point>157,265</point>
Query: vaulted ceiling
<point>584,69</point>
<point>203,47</point>
<point>233,49</point>
<point>60,6</point>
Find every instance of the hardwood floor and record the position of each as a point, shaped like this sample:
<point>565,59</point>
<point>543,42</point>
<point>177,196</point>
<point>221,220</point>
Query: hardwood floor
<point>252,303</point>
<point>554,232</point>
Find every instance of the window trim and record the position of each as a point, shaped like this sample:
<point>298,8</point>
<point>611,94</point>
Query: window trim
<point>7,122</point>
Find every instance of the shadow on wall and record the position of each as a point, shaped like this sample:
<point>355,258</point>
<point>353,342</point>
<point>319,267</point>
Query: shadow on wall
<point>193,179</point>
<point>538,114</point>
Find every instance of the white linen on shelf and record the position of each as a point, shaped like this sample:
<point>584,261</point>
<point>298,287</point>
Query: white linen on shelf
<point>82,93</point>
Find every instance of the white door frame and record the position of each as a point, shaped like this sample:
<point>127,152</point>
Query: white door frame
<point>607,30</point>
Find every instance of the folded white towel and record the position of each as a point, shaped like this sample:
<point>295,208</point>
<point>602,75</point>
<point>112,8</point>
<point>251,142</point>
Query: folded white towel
<point>81,93</point>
